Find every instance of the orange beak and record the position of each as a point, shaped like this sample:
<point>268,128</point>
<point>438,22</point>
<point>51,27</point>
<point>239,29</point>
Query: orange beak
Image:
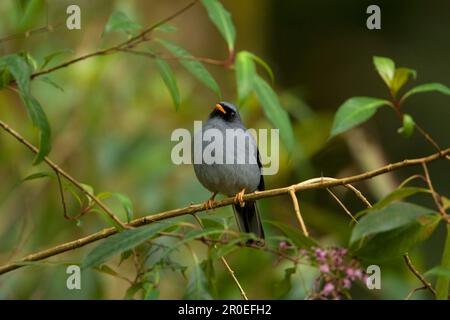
<point>220,108</point>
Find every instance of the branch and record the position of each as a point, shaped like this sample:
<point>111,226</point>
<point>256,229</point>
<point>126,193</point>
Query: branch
<point>316,183</point>
<point>418,275</point>
<point>130,43</point>
<point>60,171</point>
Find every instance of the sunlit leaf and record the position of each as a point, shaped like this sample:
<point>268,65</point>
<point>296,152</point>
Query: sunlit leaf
<point>408,126</point>
<point>385,68</point>
<point>245,74</point>
<point>120,21</point>
<point>222,19</point>
<point>192,65</point>
<point>427,87</point>
<point>401,76</point>
<point>355,111</point>
<point>274,111</point>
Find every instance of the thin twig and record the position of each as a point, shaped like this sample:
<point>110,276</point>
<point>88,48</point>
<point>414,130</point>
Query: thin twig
<point>417,274</point>
<point>297,211</point>
<point>166,57</point>
<point>359,195</point>
<point>414,291</point>
<point>225,263</point>
<point>60,171</point>
<point>436,197</point>
<point>312,184</point>
<point>342,205</point>
<point>61,192</point>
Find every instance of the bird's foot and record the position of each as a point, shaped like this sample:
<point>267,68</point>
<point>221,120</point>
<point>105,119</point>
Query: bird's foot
<point>208,203</point>
<point>239,198</point>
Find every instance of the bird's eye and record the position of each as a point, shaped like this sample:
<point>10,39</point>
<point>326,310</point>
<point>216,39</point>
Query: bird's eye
<point>232,113</point>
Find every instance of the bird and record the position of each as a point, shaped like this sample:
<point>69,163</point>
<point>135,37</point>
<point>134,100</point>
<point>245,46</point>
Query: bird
<point>238,177</point>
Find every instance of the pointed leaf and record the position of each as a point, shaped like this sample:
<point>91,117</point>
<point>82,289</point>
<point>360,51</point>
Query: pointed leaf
<point>192,65</point>
<point>197,287</point>
<point>385,68</point>
<point>408,126</point>
<point>401,76</point>
<point>295,235</point>
<point>120,21</point>
<point>274,111</point>
<point>355,111</point>
<point>169,79</point>
<point>392,231</point>
<point>245,74</point>
<point>222,19</point>
<point>121,242</point>
<point>428,87</point>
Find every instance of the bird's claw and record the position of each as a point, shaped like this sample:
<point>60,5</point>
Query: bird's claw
<point>239,198</point>
<point>208,203</point>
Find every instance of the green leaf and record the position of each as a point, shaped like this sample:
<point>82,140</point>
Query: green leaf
<point>48,58</point>
<point>37,175</point>
<point>438,271</point>
<point>121,242</point>
<point>392,231</point>
<point>427,87</point>
<point>192,65</point>
<point>39,119</point>
<point>169,79</point>
<point>21,72</point>
<point>283,287</point>
<point>408,126</point>
<point>295,235</point>
<point>274,111</point>
<point>222,19</point>
<point>197,286</point>
<point>397,195</point>
<point>401,76</point>
<point>126,204</point>
<point>224,249</point>
<point>51,82</point>
<point>355,111</point>
<point>262,63</point>
<point>166,27</point>
<point>120,21</point>
<point>385,68</point>
<point>245,74</point>
<point>442,281</point>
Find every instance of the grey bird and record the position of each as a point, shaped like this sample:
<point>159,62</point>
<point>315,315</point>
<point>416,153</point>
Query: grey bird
<point>242,175</point>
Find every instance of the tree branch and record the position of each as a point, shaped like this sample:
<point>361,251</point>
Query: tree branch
<point>316,183</point>
<point>61,172</point>
<point>130,43</point>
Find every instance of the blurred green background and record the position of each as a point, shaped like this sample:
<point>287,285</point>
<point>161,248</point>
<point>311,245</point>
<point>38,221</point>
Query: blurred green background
<point>112,124</point>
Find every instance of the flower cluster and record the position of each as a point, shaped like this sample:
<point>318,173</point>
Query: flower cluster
<point>337,272</point>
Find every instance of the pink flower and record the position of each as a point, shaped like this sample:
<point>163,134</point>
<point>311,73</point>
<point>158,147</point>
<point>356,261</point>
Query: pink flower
<point>358,274</point>
<point>346,283</point>
<point>350,272</point>
<point>283,245</point>
<point>328,288</point>
<point>324,268</point>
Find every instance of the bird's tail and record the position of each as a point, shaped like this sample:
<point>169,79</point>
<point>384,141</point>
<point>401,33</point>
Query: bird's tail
<point>248,219</point>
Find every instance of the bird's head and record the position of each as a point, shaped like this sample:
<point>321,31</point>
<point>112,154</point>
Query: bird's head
<point>226,111</point>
